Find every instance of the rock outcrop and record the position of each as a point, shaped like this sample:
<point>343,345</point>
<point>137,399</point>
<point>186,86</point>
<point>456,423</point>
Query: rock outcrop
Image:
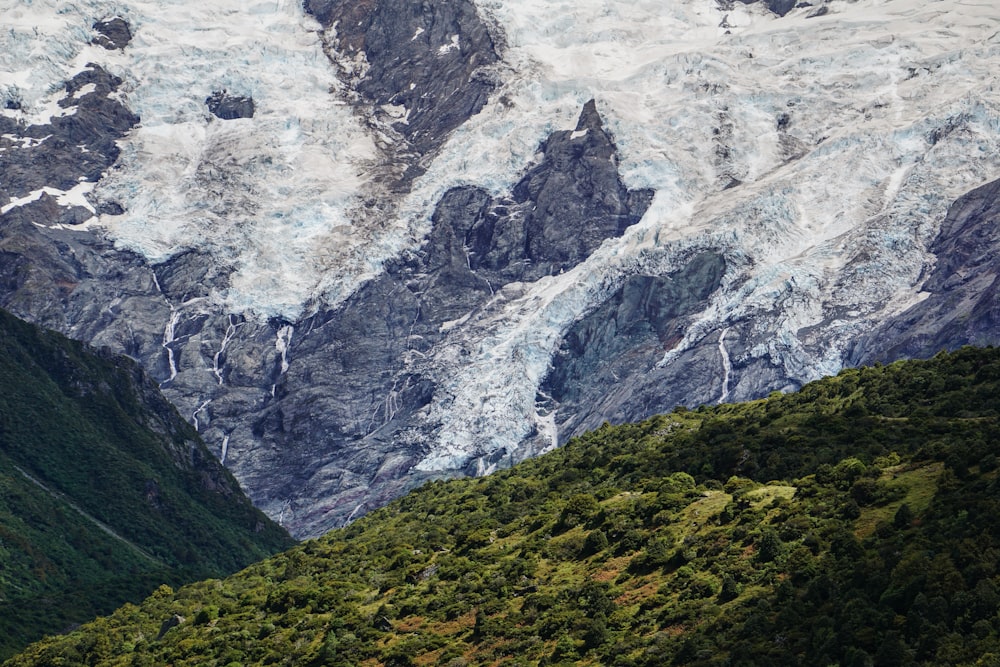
<point>416,70</point>
<point>961,304</point>
<point>229,107</point>
<point>77,144</point>
<point>455,299</point>
<point>114,33</point>
<point>339,431</point>
<point>626,337</point>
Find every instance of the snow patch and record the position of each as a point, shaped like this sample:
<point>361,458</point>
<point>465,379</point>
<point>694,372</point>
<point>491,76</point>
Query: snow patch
<point>85,89</point>
<point>283,343</point>
<point>75,196</point>
<point>548,430</point>
<point>396,111</point>
<point>452,45</point>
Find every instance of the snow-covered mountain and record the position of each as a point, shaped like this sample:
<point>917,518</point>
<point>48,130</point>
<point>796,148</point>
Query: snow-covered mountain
<point>362,245</point>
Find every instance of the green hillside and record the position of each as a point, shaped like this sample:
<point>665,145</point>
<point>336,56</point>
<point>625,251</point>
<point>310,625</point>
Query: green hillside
<point>105,492</point>
<point>856,522</point>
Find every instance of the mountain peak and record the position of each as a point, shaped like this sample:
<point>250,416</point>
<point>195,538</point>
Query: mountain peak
<point>590,119</point>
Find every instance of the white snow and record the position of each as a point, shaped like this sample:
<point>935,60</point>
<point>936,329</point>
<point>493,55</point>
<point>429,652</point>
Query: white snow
<point>282,343</point>
<point>27,199</point>
<point>26,142</point>
<point>452,45</point>
<point>85,89</point>
<point>394,110</point>
<point>548,429</point>
<point>75,196</point>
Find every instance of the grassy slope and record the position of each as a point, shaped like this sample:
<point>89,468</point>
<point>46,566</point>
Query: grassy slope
<point>105,492</point>
<point>856,521</point>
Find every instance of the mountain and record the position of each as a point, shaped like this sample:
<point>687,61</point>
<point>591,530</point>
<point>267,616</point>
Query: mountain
<point>105,491</point>
<point>852,522</point>
<point>361,246</point>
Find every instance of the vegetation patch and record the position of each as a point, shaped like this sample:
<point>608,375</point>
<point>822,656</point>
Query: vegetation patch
<point>855,522</point>
<point>105,491</point>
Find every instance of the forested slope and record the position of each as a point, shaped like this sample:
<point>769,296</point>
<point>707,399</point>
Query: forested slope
<point>105,491</point>
<point>854,522</point>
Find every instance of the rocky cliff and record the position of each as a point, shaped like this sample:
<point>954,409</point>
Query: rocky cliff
<point>960,295</point>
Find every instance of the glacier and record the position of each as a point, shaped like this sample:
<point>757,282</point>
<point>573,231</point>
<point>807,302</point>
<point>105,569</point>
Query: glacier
<point>816,153</point>
<point>830,128</point>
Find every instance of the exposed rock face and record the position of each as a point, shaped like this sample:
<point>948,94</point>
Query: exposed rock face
<point>558,213</point>
<point>49,273</point>
<point>114,33</point>
<point>223,371</point>
<point>962,304</point>
<point>228,107</point>
<point>347,421</point>
<point>779,7</point>
<point>496,303</point>
<point>625,338</point>
<point>419,70</point>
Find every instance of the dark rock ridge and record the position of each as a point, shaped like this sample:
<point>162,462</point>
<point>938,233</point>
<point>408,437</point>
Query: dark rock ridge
<point>73,281</point>
<point>429,60</point>
<point>114,33</point>
<point>556,215</point>
<point>962,304</point>
<point>229,107</point>
<point>324,418</point>
<point>779,7</point>
<point>70,282</point>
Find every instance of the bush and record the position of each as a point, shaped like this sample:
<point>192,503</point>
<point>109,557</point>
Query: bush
<point>596,542</point>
